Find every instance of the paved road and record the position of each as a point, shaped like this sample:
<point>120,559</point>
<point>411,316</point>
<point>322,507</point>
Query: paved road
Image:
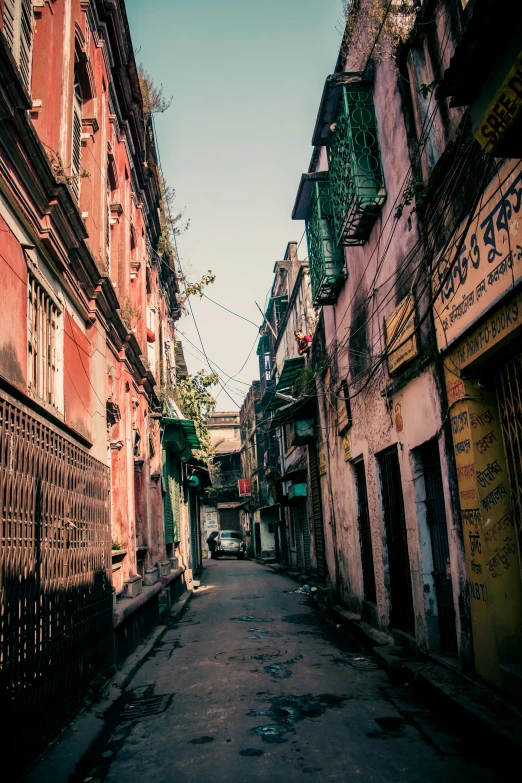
<point>253,685</point>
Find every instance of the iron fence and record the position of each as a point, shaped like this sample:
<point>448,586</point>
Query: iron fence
<point>56,635</point>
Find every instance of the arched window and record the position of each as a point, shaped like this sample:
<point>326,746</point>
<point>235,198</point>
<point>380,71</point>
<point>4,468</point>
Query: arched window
<point>76,153</point>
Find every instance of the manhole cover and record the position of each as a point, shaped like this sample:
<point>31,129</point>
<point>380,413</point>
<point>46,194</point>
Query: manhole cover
<point>249,654</point>
<point>143,708</point>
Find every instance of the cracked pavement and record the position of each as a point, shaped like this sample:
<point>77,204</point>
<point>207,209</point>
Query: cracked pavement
<point>252,684</point>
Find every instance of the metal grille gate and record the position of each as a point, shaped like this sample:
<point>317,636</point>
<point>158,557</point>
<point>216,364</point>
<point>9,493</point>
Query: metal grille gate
<point>317,512</point>
<point>402,616</point>
<point>365,534</point>
<point>56,634</point>
<point>509,393</point>
<point>436,513</point>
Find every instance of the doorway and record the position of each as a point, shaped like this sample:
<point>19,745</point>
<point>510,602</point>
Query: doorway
<point>401,615</point>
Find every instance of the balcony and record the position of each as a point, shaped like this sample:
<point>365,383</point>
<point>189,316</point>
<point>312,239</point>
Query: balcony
<point>354,160</point>
<point>326,259</point>
<point>347,126</point>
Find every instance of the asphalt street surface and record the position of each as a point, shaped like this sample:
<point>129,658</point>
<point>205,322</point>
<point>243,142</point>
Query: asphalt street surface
<point>252,684</point>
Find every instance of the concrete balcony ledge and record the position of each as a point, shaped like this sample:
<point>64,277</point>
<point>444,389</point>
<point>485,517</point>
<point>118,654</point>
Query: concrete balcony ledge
<point>128,606</point>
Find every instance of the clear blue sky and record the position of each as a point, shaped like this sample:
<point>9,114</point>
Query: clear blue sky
<point>246,78</point>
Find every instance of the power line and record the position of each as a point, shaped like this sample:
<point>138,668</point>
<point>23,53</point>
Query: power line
<point>230,311</point>
<point>181,268</point>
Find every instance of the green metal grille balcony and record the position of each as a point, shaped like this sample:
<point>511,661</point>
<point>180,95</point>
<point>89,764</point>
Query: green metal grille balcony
<point>355,166</point>
<point>326,259</point>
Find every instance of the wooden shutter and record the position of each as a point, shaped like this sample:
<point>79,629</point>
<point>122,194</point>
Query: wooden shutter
<point>10,23</point>
<point>26,40</point>
<point>172,499</point>
<point>76,150</point>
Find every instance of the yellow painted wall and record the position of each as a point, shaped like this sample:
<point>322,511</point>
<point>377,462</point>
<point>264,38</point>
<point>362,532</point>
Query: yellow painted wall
<point>493,568</point>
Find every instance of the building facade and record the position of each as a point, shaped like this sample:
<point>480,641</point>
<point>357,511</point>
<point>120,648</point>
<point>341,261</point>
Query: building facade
<point>411,386</point>
<point>92,457</point>
<point>221,509</point>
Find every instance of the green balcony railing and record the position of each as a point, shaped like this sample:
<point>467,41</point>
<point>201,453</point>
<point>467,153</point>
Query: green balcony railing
<point>326,259</point>
<point>355,166</point>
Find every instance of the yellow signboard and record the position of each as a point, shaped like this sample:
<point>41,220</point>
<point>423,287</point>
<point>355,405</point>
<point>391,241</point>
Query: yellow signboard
<point>503,108</point>
<point>401,340</point>
<point>473,275</point>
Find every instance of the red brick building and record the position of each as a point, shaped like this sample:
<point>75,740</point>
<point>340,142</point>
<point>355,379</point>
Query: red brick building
<point>86,351</point>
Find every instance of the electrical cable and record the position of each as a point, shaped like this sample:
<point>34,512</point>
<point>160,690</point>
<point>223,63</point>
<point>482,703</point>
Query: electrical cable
<point>181,268</point>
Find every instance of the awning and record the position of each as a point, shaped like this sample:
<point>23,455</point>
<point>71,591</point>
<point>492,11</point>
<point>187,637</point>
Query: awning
<point>262,346</point>
<point>289,373</point>
<point>271,302</point>
<point>284,411</point>
<point>232,504</point>
<point>294,471</point>
<point>180,436</point>
<point>305,193</point>
<point>328,106</point>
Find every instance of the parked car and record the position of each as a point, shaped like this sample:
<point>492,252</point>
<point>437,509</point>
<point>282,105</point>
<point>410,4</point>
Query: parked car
<point>230,544</point>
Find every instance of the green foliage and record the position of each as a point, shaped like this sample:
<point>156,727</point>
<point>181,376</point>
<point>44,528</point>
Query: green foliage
<point>196,402</point>
<point>196,288</point>
<point>427,89</point>
<point>414,190</point>
<point>154,102</point>
<point>304,383</point>
<point>130,315</point>
<point>61,171</point>
<point>116,545</point>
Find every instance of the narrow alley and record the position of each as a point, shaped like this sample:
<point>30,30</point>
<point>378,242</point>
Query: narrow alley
<point>252,685</point>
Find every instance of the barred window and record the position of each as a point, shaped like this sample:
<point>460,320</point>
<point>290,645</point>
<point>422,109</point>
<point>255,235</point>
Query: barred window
<point>18,31</point>
<point>43,317</point>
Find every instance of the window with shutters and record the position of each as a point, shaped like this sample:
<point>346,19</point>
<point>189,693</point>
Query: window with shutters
<point>42,365</point>
<point>108,229</point>
<point>18,32</point>
<point>76,152</point>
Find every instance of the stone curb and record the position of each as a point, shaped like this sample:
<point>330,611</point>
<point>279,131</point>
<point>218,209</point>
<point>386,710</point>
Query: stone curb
<point>61,759</point>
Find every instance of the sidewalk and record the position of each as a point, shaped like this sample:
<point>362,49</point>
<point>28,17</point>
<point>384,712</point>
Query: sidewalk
<point>62,757</point>
<point>481,707</point>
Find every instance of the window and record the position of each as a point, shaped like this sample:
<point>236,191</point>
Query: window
<point>344,409</point>
<point>42,316</point>
<point>76,135</point>
<point>18,32</point>
<point>108,229</point>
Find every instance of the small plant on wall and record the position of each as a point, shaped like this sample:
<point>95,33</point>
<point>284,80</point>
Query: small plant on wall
<point>130,315</point>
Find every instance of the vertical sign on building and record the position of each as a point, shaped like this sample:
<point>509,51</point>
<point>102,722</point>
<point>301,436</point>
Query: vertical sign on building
<point>243,486</point>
